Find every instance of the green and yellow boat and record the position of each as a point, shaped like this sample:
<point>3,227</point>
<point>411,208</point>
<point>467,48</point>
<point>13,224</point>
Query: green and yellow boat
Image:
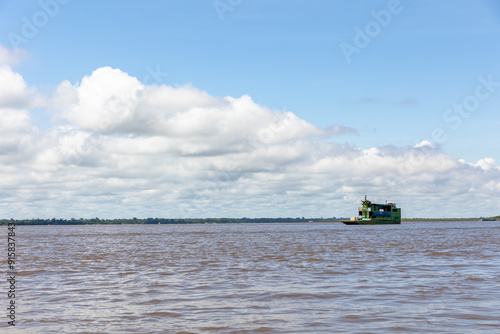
<point>376,214</point>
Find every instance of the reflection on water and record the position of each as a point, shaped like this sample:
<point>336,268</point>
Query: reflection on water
<point>259,278</point>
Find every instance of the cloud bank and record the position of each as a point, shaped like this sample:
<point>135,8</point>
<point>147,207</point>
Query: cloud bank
<point>120,148</point>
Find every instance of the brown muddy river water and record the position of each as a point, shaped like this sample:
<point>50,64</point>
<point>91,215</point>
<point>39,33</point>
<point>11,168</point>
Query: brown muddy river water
<point>424,277</point>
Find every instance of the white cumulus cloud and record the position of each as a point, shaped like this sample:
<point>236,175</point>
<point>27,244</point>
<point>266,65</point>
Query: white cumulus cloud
<point>123,148</point>
<point>8,57</point>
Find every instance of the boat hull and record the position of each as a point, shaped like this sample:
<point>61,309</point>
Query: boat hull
<point>371,222</point>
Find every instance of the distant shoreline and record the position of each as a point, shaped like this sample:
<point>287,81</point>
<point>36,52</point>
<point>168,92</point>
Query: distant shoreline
<point>153,221</point>
<point>439,219</point>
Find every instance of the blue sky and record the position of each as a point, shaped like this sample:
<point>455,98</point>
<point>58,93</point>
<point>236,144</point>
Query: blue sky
<point>402,86</point>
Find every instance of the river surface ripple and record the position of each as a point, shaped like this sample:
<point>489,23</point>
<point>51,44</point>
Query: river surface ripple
<point>432,277</point>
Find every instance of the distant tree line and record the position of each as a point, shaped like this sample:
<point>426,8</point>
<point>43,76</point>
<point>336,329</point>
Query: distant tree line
<point>89,221</point>
<point>444,219</point>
